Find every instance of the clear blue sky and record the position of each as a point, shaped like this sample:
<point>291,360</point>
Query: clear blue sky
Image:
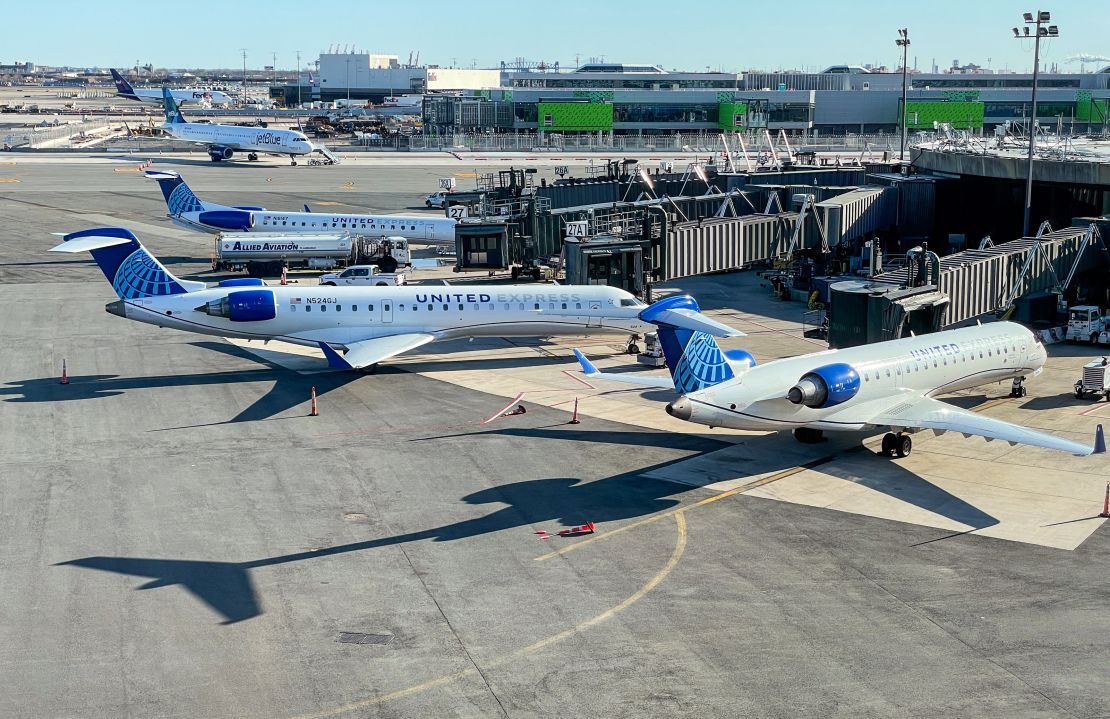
<point>679,34</point>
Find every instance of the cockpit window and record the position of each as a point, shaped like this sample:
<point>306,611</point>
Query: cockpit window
<point>631,302</point>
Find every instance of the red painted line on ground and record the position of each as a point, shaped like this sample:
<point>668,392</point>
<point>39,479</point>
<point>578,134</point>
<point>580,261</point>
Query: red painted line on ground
<point>1092,410</point>
<point>502,411</point>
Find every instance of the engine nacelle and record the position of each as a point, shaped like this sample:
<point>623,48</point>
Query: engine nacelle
<point>227,219</point>
<point>826,386</point>
<point>243,306</point>
<point>219,152</point>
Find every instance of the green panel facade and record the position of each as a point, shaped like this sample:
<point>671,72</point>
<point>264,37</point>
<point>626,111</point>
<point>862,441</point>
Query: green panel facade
<point>1089,109</point>
<point>574,116</point>
<point>732,116</point>
<point>921,114</point>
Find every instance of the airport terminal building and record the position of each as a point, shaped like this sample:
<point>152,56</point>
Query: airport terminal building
<point>623,99</point>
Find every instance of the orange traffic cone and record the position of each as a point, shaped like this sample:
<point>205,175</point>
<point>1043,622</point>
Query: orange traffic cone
<point>1106,502</point>
<point>313,412</point>
<point>284,276</point>
<point>574,415</point>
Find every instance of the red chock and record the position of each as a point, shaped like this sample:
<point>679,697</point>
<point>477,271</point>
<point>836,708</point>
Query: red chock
<point>513,412</point>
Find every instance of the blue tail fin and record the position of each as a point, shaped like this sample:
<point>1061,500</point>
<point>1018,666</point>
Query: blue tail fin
<point>173,114</point>
<point>133,272</point>
<point>123,88</point>
<point>180,198</point>
<point>693,357</point>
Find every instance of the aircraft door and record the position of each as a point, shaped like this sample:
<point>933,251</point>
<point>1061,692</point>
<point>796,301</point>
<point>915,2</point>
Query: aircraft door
<point>594,312</point>
<point>387,311</point>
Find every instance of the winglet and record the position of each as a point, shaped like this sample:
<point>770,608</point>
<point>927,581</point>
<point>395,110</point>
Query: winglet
<point>306,208</point>
<point>335,360</point>
<point>588,368</point>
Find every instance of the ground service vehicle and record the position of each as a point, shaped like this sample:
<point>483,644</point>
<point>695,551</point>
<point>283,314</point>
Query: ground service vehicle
<point>367,275</point>
<point>1095,380</point>
<point>1086,323</point>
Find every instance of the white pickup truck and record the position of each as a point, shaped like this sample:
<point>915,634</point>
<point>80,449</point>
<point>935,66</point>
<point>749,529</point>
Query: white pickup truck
<point>363,275</point>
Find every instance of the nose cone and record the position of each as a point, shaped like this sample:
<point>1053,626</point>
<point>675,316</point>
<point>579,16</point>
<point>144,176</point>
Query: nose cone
<point>116,308</point>
<point>681,408</point>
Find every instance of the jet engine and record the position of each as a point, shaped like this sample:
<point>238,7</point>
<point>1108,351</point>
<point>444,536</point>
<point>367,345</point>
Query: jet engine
<point>825,386</point>
<point>227,219</point>
<point>243,306</point>
<point>219,152</point>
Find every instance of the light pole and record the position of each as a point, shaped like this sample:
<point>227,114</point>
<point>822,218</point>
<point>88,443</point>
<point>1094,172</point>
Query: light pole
<point>298,79</point>
<point>1042,16</point>
<point>903,42</point>
<point>348,80</point>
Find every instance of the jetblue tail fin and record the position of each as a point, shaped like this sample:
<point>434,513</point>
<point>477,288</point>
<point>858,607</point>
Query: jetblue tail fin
<point>692,355</point>
<point>133,272</point>
<point>180,198</point>
<point>173,113</point>
<point>123,87</point>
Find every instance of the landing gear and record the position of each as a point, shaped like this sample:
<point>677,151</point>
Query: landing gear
<point>808,435</point>
<point>631,347</point>
<point>897,445</point>
<point>253,157</point>
<point>369,369</point>
<point>1018,388</point>
<point>293,160</point>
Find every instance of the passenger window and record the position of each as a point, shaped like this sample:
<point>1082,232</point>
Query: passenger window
<point>354,308</point>
<point>537,306</point>
<point>445,307</point>
<point>460,308</point>
<point>564,305</point>
<point>429,308</point>
<point>385,308</point>
<point>323,308</point>
<point>369,308</point>
<point>308,308</point>
<point>577,305</point>
<point>338,308</point>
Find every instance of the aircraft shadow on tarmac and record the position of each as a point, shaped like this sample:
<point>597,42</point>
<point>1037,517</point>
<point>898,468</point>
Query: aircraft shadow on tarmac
<point>227,587</point>
<point>288,390</point>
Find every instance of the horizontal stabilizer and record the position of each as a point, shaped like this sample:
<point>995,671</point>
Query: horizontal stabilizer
<point>682,312</point>
<point>589,370</point>
<point>90,243</point>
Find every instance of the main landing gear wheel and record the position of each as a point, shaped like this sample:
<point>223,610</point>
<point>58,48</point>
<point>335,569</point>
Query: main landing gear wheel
<point>897,445</point>
<point>631,347</point>
<point>808,435</point>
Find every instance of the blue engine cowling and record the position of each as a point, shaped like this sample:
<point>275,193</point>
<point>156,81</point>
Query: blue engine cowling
<point>227,219</point>
<point>243,282</point>
<point>219,152</point>
<point>826,386</point>
<point>244,306</point>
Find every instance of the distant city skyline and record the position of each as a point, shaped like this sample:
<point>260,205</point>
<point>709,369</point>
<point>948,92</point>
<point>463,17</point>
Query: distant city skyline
<point>726,36</point>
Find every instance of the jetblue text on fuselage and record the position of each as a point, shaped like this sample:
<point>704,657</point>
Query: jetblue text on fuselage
<point>267,138</point>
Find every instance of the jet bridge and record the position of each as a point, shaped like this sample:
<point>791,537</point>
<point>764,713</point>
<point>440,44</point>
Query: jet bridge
<point>991,279</point>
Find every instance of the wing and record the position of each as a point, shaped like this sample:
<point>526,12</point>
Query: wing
<point>926,413</point>
<point>591,371</point>
<point>371,351</point>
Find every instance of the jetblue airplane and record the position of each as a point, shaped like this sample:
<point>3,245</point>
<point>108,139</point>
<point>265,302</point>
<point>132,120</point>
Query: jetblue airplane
<point>888,384</point>
<point>124,89</point>
<point>366,324</point>
<point>186,209</point>
<point>223,141</point>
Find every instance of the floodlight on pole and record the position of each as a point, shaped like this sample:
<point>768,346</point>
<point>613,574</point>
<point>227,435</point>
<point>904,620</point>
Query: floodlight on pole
<point>903,42</point>
<point>1042,16</point>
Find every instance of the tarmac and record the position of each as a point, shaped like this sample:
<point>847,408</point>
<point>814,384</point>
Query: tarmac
<point>181,539</point>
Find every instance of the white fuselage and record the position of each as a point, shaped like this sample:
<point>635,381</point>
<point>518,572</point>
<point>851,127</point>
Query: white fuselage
<point>419,228</point>
<point>931,364</point>
<point>181,97</point>
<point>342,315</point>
<point>246,139</point>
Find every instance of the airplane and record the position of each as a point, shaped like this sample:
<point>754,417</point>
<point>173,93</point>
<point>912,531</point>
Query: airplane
<point>223,141</point>
<point>182,96</point>
<point>366,324</point>
<point>889,384</point>
<point>186,209</point>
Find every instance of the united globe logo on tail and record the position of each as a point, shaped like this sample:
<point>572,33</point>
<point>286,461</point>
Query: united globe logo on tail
<point>182,200</point>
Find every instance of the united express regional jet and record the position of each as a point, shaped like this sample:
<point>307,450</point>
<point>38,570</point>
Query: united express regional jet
<point>885,385</point>
<point>355,327</point>
<point>186,209</point>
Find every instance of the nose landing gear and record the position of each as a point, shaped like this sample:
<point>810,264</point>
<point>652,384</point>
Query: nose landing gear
<point>1018,388</point>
